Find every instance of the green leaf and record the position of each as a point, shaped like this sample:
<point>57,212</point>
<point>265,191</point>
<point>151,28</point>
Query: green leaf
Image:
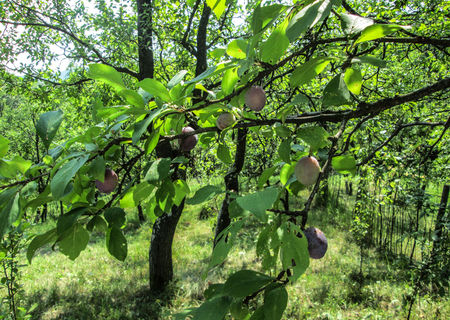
<point>214,309</point>
<point>377,31</point>
<point>204,194</point>
<point>177,79</point>
<point>275,46</point>
<point>142,191</point>
<point>230,78</point>
<point>353,79</point>
<point>265,176</point>
<point>217,6</point>
<point>245,282</point>
<point>237,49</point>
<point>97,168</point>
<point>344,164</point>
<point>141,126</point>
<point>307,18</point>
<point>262,16</point>
<point>75,241</point>
<point>115,217</point>
<point>127,200</point>
<point>214,70</point>
<point>106,74</point>
<point>9,209</point>
<point>225,242</point>
<point>47,126</point>
<point>282,131</point>
<point>165,194</point>
<point>257,203</point>
<point>370,60</point>
<point>275,302</point>
<point>336,92</point>
<point>4,145</point>
<point>132,97</point>
<point>223,153</point>
<point>155,88</point>
<point>316,137</point>
<point>294,250</point>
<point>10,168</point>
<point>286,172</point>
<point>352,23</point>
<point>181,190</point>
<point>284,150</point>
<point>66,221</point>
<point>98,223</point>
<point>40,241</point>
<point>151,142</point>
<point>258,314</point>
<point>158,170</point>
<point>116,243</point>
<point>64,175</point>
<point>307,71</point>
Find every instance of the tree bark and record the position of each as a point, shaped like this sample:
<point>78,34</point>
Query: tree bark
<point>145,42</point>
<point>232,183</point>
<point>439,225</point>
<point>160,252</point>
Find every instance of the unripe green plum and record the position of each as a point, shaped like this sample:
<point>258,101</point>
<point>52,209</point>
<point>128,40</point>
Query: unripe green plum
<point>307,170</point>
<point>255,98</point>
<point>317,242</point>
<point>225,120</point>
<point>188,143</point>
<point>110,182</point>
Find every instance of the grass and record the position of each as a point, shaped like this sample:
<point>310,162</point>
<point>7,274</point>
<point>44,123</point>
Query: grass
<point>96,286</point>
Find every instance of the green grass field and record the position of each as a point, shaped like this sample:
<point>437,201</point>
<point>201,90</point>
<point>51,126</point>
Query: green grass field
<point>96,286</point>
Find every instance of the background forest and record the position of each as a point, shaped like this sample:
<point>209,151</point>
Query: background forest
<point>222,159</point>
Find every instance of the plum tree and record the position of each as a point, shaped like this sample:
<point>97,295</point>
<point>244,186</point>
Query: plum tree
<point>188,143</point>
<point>317,242</point>
<point>110,182</point>
<point>225,120</point>
<point>255,98</point>
<point>307,170</point>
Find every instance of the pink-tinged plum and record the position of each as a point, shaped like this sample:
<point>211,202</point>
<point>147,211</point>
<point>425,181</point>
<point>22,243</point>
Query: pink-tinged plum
<point>317,242</point>
<point>188,143</point>
<point>225,120</point>
<point>307,170</point>
<point>255,98</point>
<point>110,182</point>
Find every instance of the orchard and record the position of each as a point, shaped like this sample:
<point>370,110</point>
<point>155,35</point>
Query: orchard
<point>277,98</point>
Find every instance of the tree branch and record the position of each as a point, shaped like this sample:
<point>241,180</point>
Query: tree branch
<point>394,134</point>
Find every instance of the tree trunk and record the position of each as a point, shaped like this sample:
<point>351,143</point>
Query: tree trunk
<point>232,182</point>
<point>160,253</point>
<point>145,42</point>
<point>439,226</point>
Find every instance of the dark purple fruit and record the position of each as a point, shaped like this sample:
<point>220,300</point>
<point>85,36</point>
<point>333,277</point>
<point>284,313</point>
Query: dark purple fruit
<point>188,143</point>
<point>110,182</point>
<point>255,98</point>
<point>317,242</point>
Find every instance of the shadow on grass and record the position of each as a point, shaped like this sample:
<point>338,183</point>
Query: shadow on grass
<point>129,303</point>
